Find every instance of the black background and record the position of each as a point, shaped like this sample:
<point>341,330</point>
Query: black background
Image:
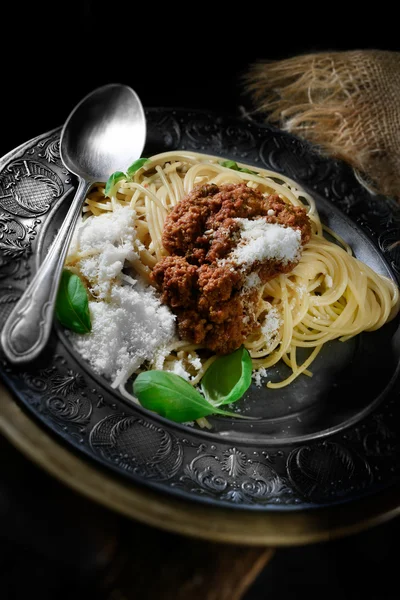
<point>191,55</point>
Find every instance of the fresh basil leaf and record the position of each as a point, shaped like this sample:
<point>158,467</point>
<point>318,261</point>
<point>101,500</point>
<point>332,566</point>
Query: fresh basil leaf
<point>112,182</point>
<point>136,166</point>
<point>172,397</point>
<point>231,164</point>
<point>244,170</point>
<point>228,378</point>
<point>72,305</point>
<point>118,175</point>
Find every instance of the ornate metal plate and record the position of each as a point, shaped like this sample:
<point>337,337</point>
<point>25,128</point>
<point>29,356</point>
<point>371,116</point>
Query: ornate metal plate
<point>320,442</point>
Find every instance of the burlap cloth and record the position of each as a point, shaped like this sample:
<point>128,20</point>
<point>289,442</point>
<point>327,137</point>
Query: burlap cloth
<point>346,103</point>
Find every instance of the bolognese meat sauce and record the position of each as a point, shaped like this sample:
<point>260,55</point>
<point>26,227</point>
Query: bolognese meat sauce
<point>217,238</point>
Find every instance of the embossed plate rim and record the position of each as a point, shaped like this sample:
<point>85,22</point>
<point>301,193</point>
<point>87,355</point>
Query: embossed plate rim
<point>144,505</point>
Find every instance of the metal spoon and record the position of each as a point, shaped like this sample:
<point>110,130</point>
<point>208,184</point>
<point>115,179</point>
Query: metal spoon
<point>105,132</point>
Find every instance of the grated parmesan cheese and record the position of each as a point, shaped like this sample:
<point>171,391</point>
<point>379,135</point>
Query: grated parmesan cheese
<point>180,370</point>
<point>251,281</point>
<point>260,240</point>
<point>258,376</point>
<point>270,329</point>
<point>126,331</point>
<point>102,245</point>
<point>159,357</point>
<point>271,325</point>
<point>178,367</point>
<point>129,323</point>
<point>195,362</point>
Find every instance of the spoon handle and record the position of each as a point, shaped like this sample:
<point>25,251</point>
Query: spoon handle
<point>27,329</point>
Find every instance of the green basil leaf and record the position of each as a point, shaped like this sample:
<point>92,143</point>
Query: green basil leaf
<point>228,378</point>
<point>172,397</point>
<point>244,170</point>
<point>136,166</point>
<point>231,164</point>
<point>112,182</point>
<point>72,305</point>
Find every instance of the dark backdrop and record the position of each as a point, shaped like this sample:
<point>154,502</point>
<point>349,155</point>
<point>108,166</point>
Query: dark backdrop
<point>174,54</point>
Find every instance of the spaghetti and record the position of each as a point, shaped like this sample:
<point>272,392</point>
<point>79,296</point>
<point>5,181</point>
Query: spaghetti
<point>329,295</point>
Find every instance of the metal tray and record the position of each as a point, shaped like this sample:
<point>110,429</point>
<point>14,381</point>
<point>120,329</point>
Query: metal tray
<point>320,442</point>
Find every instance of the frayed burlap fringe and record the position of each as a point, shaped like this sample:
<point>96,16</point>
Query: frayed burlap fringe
<point>347,103</point>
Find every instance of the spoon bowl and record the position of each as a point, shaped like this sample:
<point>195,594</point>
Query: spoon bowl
<point>104,133</point>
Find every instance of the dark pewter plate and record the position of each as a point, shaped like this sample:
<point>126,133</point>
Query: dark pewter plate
<point>319,442</point>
